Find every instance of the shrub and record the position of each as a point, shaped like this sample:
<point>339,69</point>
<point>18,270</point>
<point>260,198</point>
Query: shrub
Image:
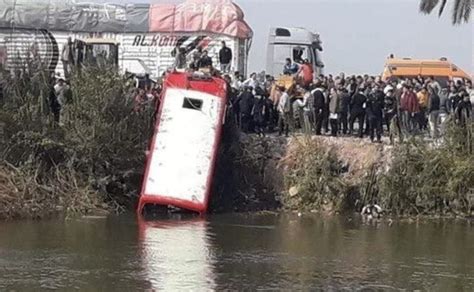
<point>95,155</point>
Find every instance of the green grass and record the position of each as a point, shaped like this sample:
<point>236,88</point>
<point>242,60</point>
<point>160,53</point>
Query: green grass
<point>93,159</point>
<point>422,179</point>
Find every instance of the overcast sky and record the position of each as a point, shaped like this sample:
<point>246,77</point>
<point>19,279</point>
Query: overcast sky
<point>358,35</point>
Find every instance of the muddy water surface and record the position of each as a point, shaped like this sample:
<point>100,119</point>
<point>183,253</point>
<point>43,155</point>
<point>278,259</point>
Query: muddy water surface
<point>236,252</point>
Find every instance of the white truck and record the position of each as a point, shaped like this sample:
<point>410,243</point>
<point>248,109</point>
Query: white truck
<point>295,43</point>
<point>139,38</point>
<point>138,53</point>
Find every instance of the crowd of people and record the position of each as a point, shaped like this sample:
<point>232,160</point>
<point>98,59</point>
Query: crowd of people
<point>348,105</point>
<point>325,105</point>
<point>200,59</point>
<point>335,105</point>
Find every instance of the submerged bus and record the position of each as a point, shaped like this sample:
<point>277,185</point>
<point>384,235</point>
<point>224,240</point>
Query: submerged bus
<point>180,167</point>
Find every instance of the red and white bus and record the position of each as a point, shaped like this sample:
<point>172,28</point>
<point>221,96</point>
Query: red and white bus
<point>183,153</point>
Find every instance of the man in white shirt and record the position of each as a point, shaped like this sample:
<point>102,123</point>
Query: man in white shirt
<point>237,83</point>
<point>60,90</point>
<point>284,111</point>
<point>470,90</point>
<point>251,82</point>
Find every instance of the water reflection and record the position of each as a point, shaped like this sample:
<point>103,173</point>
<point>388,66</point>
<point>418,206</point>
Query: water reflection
<point>236,252</point>
<point>177,255</point>
<point>286,252</point>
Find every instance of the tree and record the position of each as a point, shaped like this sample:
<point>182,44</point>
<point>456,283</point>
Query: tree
<point>461,10</point>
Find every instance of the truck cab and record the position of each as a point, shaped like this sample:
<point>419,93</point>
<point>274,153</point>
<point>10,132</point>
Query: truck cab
<point>295,43</point>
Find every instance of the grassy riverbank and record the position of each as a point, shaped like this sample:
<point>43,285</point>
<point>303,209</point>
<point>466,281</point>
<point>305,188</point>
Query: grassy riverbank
<point>91,161</point>
<point>343,174</point>
<point>410,179</point>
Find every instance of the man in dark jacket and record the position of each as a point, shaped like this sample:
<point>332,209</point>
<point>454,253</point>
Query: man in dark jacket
<point>225,58</point>
<point>345,107</point>
<point>319,106</point>
<point>352,86</point>
<point>434,105</point>
<point>246,102</point>
<point>390,107</point>
<point>375,106</point>
<point>454,97</point>
<point>205,61</point>
<point>232,99</point>
<point>463,109</point>
<point>326,111</point>
<point>258,114</point>
<point>269,114</point>
<point>358,104</point>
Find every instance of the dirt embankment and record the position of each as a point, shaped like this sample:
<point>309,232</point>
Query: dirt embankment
<point>256,173</point>
<point>344,174</point>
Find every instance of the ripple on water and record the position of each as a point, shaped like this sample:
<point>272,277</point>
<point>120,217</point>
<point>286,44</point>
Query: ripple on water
<point>236,253</point>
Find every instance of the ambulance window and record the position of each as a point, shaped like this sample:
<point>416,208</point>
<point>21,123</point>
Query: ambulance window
<point>192,103</point>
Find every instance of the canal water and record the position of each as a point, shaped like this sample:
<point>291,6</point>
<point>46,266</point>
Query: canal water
<point>236,252</point>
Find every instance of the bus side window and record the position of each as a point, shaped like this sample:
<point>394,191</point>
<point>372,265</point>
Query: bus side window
<point>192,103</point>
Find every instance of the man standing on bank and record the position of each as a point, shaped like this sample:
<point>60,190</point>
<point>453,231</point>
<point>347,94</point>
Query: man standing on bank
<point>225,58</point>
<point>67,57</point>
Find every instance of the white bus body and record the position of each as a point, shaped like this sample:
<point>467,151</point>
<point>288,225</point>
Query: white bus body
<point>183,153</point>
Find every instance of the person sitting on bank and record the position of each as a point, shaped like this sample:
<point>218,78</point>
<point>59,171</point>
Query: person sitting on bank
<point>290,68</point>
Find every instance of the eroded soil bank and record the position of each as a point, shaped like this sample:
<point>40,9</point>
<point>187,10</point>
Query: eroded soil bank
<point>343,174</point>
